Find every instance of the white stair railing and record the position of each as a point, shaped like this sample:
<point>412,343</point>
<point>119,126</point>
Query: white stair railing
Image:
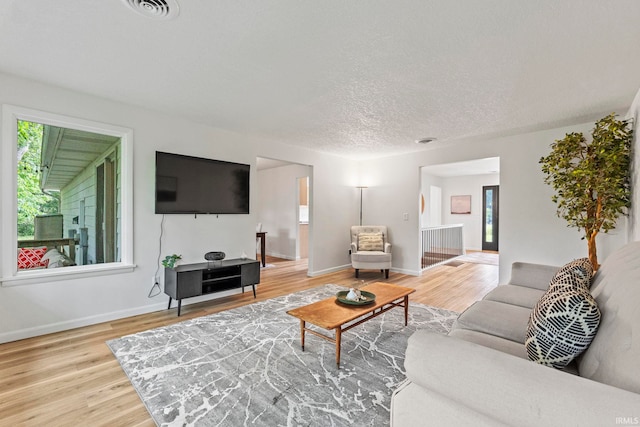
<point>441,243</point>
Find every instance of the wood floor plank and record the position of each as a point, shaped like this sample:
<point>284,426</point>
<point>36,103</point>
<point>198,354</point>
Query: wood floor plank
<point>71,378</point>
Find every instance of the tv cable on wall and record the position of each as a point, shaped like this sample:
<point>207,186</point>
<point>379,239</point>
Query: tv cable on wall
<point>155,288</point>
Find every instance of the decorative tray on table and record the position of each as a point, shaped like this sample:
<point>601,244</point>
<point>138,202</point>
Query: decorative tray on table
<point>364,299</point>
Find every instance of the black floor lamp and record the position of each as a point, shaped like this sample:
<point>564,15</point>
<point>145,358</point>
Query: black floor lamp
<point>361,187</point>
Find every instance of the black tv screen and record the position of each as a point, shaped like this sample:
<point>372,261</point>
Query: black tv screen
<point>186,184</point>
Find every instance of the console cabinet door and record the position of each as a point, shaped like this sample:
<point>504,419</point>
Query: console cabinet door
<point>189,284</point>
<point>250,274</point>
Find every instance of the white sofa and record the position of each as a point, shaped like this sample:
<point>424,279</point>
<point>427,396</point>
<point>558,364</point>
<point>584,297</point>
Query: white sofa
<point>480,375</point>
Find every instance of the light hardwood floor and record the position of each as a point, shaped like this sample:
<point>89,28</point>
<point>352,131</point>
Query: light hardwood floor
<point>71,378</point>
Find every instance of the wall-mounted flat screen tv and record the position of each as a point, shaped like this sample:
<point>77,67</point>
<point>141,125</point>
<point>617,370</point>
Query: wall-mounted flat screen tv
<point>186,184</point>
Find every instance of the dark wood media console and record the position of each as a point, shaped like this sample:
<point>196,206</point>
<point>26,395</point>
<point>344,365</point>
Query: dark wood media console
<point>191,280</point>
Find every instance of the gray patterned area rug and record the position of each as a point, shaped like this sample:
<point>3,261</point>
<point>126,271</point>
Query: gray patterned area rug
<point>245,366</point>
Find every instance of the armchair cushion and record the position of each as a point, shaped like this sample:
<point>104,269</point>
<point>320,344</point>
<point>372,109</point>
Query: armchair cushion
<point>371,257</point>
<point>370,242</point>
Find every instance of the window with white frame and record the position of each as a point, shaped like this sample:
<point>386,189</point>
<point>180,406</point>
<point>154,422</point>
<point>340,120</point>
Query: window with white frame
<point>67,196</point>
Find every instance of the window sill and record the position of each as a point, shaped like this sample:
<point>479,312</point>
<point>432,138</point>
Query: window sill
<point>65,273</point>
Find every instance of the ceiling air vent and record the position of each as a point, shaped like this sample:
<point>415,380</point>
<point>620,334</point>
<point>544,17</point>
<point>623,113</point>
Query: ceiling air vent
<point>155,9</point>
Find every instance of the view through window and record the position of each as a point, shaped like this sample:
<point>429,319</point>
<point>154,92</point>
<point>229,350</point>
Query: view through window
<point>68,197</point>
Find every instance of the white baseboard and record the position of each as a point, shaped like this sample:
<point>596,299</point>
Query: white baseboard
<point>344,267</point>
<point>77,323</point>
<point>328,270</point>
<point>473,249</point>
<point>282,256</point>
<point>407,272</point>
<point>107,317</point>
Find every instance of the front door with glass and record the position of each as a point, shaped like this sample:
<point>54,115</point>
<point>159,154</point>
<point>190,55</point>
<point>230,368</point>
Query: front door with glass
<point>490,218</point>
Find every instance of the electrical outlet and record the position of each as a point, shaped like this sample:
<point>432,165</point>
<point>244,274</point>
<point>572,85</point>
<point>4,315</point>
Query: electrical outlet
<point>405,216</point>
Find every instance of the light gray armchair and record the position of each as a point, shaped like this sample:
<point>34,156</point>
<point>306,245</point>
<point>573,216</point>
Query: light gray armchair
<point>370,248</point>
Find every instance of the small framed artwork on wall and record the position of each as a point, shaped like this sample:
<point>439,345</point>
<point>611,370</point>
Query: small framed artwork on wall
<point>461,205</point>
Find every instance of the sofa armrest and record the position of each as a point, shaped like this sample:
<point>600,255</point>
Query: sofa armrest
<point>387,248</point>
<point>535,276</point>
<point>354,248</point>
<point>512,390</point>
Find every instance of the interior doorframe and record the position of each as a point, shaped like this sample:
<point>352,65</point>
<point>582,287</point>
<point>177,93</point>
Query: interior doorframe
<point>302,183</point>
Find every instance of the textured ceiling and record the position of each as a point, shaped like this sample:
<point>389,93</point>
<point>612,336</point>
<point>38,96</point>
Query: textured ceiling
<point>356,78</point>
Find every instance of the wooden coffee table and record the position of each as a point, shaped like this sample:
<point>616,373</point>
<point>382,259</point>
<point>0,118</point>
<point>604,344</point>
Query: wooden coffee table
<point>332,314</point>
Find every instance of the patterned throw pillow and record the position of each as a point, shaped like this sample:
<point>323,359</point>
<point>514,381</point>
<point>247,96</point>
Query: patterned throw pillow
<point>370,242</point>
<point>31,258</point>
<point>561,326</point>
<point>576,274</point>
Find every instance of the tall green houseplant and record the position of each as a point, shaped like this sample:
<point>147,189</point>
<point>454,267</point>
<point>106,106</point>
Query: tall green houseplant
<point>592,178</point>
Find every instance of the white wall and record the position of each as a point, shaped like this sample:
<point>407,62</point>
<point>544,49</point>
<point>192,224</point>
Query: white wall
<point>634,217</point>
<point>277,208</point>
<point>472,223</point>
<point>34,309</point>
<point>427,181</point>
<point>529,228</point>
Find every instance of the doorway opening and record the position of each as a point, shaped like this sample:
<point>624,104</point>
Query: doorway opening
<point>449,229</point>
<point>284,208</point>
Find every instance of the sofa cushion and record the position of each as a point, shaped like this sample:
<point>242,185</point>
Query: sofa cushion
<point>495,318</point>
<point>370,242</point>
<point>561,326</point>
<point>515,295</point>
<point>492,341</point>
<point>530,275</point>
<point>29,258</point>
<point>57,259</point>
<point>576,274</point>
